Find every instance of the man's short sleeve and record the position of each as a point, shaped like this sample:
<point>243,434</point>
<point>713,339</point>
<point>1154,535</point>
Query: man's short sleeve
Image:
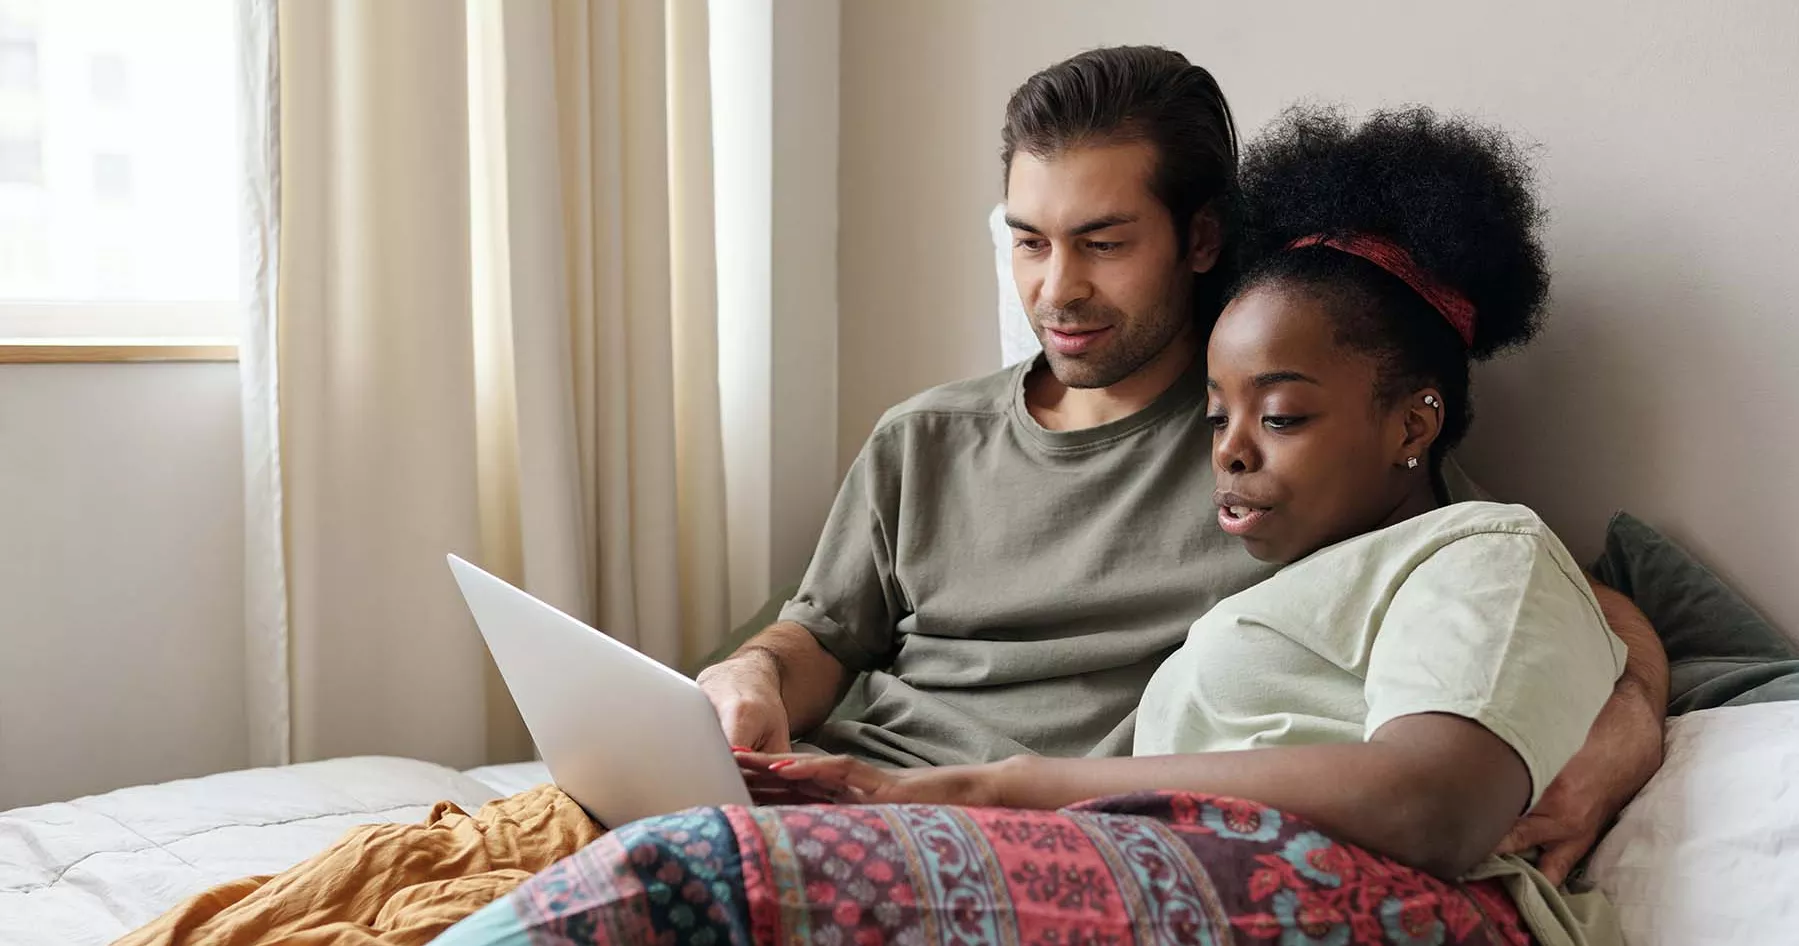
<point>850,600</point>
<point>1458,486</point>
<point>1497,628</point>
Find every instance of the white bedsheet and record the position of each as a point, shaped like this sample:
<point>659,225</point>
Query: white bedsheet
<point>513,777</point>
<point>91,870</point>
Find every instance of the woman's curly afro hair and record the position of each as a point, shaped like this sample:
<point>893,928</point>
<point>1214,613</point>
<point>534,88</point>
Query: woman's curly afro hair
<point>1457,195</point>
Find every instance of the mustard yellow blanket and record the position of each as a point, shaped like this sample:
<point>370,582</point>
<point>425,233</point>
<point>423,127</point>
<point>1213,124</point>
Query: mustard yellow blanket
<point>386,884</point>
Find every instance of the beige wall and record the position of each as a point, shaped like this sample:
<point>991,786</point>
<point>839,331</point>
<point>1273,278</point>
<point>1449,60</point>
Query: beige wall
<point>1668,131</point>
<point>121,577</point>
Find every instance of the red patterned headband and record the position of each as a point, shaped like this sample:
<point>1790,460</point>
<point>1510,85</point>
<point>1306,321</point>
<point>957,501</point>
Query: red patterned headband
<point>1394,259</point>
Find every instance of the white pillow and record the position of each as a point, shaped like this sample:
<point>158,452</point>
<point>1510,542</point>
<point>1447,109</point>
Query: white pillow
<point>1016,340</point>
<point>1709,851</point>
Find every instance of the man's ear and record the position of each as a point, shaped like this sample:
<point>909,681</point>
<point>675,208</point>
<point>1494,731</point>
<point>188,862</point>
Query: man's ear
<point>1205,239</point>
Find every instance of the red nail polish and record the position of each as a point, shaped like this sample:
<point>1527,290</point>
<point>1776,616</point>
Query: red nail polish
<point>742,749</point>
<point>781,764</point>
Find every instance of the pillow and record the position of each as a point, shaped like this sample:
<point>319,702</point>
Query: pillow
<point>1705,854</point>
<point>1016,340</point>
<point>743,632</point>
<point>1720,651</point>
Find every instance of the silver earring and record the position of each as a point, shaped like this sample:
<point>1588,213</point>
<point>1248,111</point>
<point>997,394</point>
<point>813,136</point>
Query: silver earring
<point>1430,400</point>
<point>1411,463</point>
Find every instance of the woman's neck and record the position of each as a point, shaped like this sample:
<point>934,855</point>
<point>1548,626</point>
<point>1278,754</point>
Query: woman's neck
<point>1419,498</point>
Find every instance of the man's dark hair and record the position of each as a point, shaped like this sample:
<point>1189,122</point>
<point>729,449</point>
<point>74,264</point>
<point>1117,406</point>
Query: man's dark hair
<point>1457,195</point>
<point>1122,94</point>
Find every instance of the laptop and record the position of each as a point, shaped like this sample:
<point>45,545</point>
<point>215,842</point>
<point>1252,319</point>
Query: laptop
<point>624,736</point>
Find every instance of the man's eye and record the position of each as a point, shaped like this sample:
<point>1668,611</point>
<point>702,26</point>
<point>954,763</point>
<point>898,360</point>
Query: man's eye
<point>1218,421</point>
<point>1102,246</point>
<point>1282,421</point>
<point>1030,244</point>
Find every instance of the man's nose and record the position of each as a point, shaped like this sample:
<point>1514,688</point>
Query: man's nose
<point>1067,282</point>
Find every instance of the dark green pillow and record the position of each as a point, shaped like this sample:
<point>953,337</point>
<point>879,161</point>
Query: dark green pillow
<point>748,629</point>
<point>1720,651</point>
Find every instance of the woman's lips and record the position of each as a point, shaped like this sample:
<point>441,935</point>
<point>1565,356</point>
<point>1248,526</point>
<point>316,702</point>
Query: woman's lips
<point>1238,514</point>
<point>1240,520</point>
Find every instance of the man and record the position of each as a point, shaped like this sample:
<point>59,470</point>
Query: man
<point>1010,558</point>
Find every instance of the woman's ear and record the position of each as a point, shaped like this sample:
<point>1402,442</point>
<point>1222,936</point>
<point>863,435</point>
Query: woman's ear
<point>1205,239</point>
<point>1422,415</point>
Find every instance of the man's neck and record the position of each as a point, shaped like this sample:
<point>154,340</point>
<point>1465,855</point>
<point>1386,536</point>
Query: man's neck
<point>1059,407</point>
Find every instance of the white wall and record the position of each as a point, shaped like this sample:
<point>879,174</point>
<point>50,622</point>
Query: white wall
<point>121,584</point>
<point>1668,131</point>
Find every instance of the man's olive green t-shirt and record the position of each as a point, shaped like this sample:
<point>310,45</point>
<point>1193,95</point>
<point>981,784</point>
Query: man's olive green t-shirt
<point>1004,588</point>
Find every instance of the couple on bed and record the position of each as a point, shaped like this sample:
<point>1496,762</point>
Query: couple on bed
<point>1254,376</point>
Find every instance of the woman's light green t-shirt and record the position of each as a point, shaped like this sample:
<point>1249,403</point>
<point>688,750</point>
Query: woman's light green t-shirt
<point>1474,609</point>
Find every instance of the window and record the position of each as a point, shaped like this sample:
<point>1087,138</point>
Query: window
<point>21,160</point>
<point>18,62</point>
<point>110,79</point>
<point>119,171</point>
<point>112,176</point>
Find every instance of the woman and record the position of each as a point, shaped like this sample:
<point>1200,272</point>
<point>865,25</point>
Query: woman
<point>1391,700</point>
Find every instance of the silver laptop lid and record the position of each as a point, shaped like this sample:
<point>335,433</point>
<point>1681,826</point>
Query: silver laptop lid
<point>623,735</point>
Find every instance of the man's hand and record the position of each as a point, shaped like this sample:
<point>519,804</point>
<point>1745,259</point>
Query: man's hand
<point>779,683</point>
<point>746,693</point>
<point>1622,752</point>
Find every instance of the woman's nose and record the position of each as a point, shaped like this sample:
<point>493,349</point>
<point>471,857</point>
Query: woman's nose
<point>1233,450</point>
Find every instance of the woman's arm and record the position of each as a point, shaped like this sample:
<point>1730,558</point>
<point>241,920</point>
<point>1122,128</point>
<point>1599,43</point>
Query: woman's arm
<point>1432,791</point>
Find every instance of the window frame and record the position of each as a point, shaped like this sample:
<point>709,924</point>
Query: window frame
<point>105,352</point>
<point>110,332</point>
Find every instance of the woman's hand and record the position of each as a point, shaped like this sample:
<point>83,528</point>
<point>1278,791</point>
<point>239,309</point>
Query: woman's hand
<point>811,779</point>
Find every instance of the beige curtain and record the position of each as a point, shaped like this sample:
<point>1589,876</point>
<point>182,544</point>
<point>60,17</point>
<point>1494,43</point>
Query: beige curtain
<point>494,335</point>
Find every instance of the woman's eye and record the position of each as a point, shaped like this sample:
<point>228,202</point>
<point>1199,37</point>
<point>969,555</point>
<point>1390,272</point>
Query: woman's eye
<point>1282,421</point>
<point>1218,421</point>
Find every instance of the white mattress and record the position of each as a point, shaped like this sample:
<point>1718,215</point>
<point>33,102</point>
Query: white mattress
<point>91,870</point>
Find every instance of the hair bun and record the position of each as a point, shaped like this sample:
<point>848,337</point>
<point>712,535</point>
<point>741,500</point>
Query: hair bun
<point>1457,195</point>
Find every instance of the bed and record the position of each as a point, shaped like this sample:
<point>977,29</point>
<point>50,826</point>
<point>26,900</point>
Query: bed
<point>92,869</point>
<point>1708,853</point>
